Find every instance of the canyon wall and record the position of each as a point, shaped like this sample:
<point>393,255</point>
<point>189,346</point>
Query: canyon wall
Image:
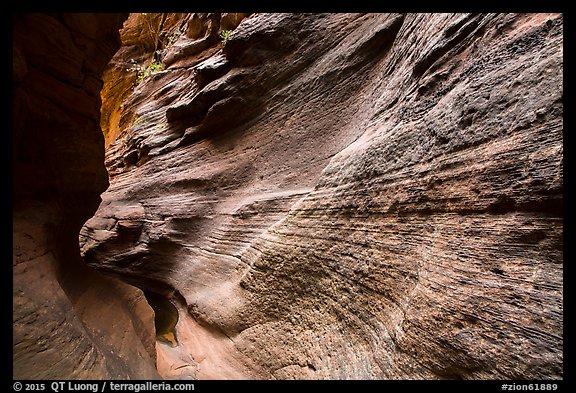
<point>343,196</point>
<point>68,321</point>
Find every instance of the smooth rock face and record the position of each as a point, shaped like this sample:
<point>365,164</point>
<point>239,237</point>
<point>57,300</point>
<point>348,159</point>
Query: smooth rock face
<point>347,196</point>
<point>68,320</point>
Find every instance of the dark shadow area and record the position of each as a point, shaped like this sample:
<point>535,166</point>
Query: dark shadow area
<point>165,317</point>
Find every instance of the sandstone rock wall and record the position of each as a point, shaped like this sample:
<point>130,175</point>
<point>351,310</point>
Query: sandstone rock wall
<point>150,42</point>
<point>68,321</point>
<point>347,196</point>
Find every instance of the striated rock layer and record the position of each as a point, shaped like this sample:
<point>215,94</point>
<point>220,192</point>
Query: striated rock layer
<point>346,196</point>
<point>68,320</point>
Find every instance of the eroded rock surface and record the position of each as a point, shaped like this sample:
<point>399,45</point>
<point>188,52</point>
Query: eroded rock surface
<point>68,321</point>
<point>347,196</point>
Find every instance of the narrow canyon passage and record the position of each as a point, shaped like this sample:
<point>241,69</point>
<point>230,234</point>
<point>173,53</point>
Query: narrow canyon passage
<point>294,196</point>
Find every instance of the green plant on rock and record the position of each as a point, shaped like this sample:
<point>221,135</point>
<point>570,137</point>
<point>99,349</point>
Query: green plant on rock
<point>155,67</point>
<point>174,36</point>
<point>224,34</point>
<point>143,72</point>
<point>137,119</point>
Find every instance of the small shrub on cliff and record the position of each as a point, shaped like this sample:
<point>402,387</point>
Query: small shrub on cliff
<point>224,34</point>
<point>143,72</point>
<point>154,67</point>
<point>174,36</point>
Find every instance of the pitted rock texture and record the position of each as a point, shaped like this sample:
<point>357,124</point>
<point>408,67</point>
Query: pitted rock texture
<point>344,196</point>
<point>68,321</point>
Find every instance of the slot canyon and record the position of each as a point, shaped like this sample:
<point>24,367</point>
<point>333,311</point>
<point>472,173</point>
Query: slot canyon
<point>287,196</point>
